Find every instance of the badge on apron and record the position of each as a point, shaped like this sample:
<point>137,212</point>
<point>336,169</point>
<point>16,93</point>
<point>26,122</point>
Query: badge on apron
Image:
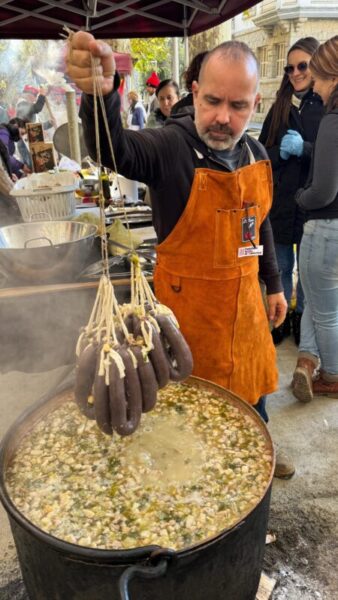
<point>248,235</point>
<point>249,251</point>
<point>248,228</point>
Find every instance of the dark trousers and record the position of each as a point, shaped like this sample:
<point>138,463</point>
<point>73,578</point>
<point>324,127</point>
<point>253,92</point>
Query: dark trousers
<point>260,407</point>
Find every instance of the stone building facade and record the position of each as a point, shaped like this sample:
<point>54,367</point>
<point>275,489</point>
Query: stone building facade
<point>272,26</point>
<point>210,38</point>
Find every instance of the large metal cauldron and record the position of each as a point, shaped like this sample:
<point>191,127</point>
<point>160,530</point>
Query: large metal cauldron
<point>45,251</point>
<point>226,567</point>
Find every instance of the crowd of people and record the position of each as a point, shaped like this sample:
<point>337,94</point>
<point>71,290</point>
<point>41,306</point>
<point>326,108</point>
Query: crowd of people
<point>32,106</point>
<point>232,214</point>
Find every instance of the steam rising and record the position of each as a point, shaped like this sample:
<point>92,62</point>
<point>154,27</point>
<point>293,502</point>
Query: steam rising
<point>33,62</point>
<point>39,332</point>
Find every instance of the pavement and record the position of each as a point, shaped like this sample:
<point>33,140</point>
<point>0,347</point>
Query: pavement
<point>304,510</point>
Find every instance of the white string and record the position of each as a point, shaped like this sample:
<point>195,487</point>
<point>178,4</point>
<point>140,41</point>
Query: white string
<point>106,313</point>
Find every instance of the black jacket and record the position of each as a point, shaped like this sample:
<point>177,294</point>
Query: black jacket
<point>5,158</point>
<point>320,196</point>
<point>165,159</point>
<point>28,110</point>
<point>183,105</point>
<point>287,219</point>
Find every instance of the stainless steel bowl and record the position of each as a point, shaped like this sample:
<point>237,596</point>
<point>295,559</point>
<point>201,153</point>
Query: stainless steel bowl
<point>45,252</point>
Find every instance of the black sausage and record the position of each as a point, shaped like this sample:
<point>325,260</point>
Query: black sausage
<point>148,380</point>
<point>101,402</point>
<point>176,348</point>
<point>157,356</point>
<point>125,396</point>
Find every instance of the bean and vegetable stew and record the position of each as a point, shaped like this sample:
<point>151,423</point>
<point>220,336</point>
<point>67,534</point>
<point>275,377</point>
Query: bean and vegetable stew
<point>196,465</point>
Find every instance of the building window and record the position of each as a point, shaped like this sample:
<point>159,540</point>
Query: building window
<point>263,60</point>
<point>279,62</point>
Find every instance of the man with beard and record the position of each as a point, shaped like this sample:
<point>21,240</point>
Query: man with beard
<point>211,192</point>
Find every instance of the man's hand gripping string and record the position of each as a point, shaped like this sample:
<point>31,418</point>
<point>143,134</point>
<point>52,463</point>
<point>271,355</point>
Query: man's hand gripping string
<point>83,50</point>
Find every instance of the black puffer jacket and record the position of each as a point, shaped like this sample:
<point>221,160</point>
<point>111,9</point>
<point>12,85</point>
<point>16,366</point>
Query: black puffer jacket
<point>287,219</point>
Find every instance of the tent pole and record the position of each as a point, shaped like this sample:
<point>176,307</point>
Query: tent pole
<point>175,61</point>
<point>73,126</point>
<point>186,49</point>
<point>186,39</point>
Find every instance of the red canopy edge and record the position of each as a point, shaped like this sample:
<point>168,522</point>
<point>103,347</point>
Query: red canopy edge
<point>39,19</point>
<point>123,62</point>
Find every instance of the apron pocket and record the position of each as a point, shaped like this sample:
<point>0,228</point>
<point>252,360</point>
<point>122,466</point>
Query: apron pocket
<point>232,230</point>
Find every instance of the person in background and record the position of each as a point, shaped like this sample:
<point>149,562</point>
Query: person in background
<point>9,210</point>
<point>288,133</point>
<point>167,94</point>
<point>151,102</point>
<point>10,170</point>
<point>136,114</point>
<point>319,246</point>
<point>211,193</point>
<point>10,133</point>
<point>191,74</point>
<point>4,117</point>
<point>31,103</point>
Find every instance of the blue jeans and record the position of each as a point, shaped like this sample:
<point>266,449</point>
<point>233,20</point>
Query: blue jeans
<point>319,273</point>
<point>24,153</point>
<point>286,261</point>
<point>260,407</point>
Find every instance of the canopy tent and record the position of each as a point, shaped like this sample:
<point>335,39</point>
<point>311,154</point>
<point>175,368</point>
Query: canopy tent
<point>124,63</point>
<point>44,19</point>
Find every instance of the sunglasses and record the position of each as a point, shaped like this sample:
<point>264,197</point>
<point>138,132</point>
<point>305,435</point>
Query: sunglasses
<point>302,66</point>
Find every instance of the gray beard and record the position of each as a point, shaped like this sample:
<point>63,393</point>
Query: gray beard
<point>228,144</point>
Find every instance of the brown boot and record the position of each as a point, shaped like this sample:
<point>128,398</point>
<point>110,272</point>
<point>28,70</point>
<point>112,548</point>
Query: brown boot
<point>284,468</point>
<point>302,379</point>
<point>323,387</point>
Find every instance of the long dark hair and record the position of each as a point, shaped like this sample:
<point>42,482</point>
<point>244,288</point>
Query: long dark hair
<point>324,64</point>
<point>281,107</point>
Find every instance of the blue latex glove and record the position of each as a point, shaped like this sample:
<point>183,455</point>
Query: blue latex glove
<point>292,144</point>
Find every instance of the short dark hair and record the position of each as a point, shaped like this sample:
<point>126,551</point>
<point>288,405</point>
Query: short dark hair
<point>192,72</point>
<point>165,82</point>
<point>22,123</point>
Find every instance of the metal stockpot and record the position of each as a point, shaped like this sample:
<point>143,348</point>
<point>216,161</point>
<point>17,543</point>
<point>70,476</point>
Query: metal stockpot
<point>45,251</point>
<point>225,567</point>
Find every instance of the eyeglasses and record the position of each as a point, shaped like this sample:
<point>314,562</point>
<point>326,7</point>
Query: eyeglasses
<point>302,66</point>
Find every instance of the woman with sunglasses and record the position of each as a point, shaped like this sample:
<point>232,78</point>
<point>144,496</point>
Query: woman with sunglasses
<point>288,133</point>
<point>319,247</point>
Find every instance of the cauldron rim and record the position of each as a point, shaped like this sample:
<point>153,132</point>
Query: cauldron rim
<point>123,556</point>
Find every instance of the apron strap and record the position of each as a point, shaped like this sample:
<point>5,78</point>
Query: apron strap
<point>251,155</point>
<point>252,159</point>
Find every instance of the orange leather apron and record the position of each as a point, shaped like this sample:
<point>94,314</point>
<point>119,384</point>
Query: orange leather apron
<point>214,293</point>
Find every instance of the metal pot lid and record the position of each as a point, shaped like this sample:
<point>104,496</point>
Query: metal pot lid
<point>61,141</point>
<point>44,233</point>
